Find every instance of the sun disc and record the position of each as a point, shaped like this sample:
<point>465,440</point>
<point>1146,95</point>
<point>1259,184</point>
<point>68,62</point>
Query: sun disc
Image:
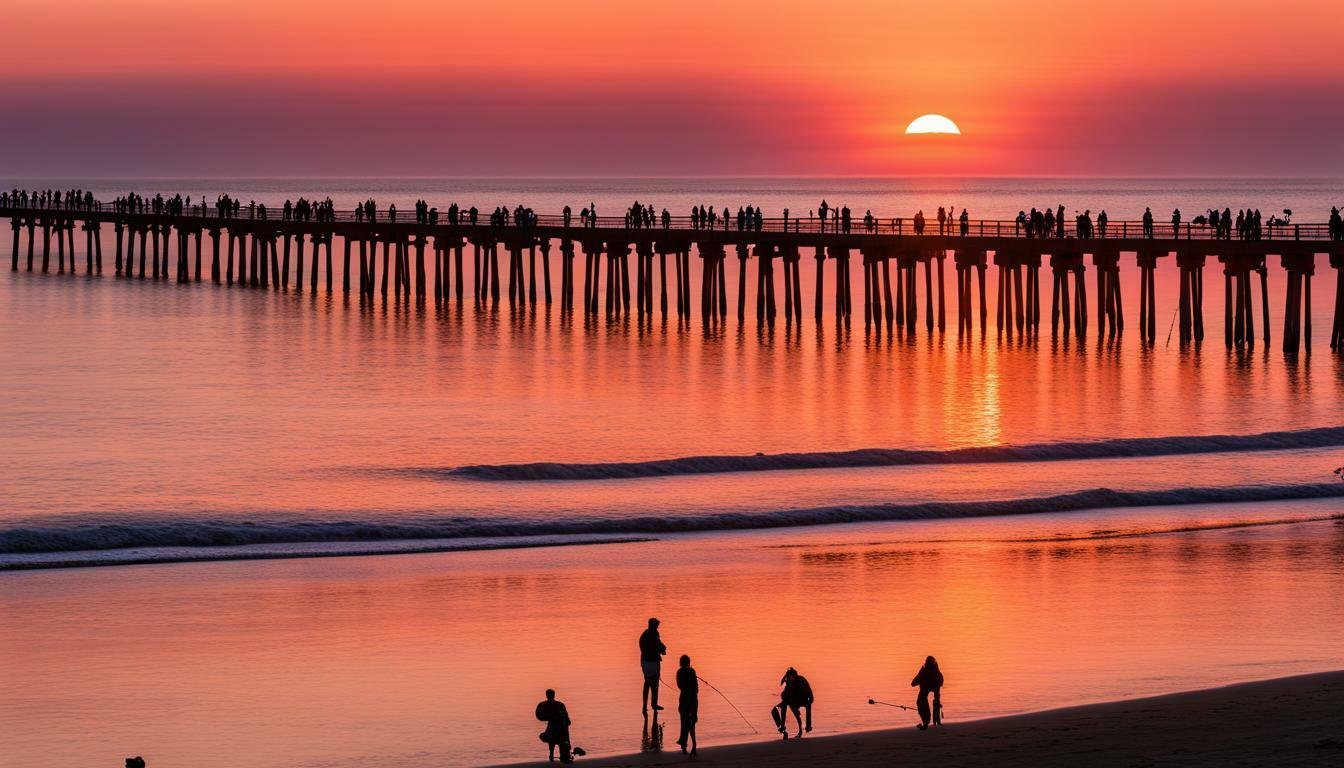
<point>932,124</point>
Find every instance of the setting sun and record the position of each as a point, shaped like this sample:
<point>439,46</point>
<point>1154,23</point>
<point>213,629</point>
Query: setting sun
<point>932,124</point>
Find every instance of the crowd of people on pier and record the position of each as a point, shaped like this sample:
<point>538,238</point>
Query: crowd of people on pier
<point>51,199</point>
<point>795,698</point>
<point>639,216</point>
<point>308,210</point>
<point>1036,223</point>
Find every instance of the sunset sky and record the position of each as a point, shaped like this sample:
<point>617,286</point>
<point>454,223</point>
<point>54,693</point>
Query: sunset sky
<point>529,87</point>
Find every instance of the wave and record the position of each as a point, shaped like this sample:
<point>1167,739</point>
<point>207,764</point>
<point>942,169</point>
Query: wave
<point>162,555</point>
<point>1128,447</point>
<point>15,543</point>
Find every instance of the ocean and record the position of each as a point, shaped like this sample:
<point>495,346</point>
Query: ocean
<point>347,532</point>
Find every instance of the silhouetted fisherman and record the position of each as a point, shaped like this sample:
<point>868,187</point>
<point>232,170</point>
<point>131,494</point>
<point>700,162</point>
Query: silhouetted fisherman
<point>1148,223</point>
<point>552,712</point>
<point>651,650</point>
<point>795,694</point>
<point>688,706</point>
<point>929,680</point>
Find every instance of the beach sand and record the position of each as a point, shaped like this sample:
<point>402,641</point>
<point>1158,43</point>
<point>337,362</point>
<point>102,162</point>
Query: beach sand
<point>1293,721</point>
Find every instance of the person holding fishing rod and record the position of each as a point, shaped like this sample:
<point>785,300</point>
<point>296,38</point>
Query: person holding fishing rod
<point>796,694</point>
<point>651,651</point>
<point>688,706</point>
<point>929,680</point>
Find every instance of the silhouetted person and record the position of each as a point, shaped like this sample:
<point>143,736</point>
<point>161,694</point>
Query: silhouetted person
<point>553,713</point>
<point>651,650</point>
<point>795,695</point>
<point>688,705</point>
<point>929,680</point>
<point>1176,223</point>
<point>1148,223</point>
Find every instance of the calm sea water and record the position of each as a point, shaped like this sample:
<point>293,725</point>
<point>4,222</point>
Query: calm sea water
<point>150,421</point>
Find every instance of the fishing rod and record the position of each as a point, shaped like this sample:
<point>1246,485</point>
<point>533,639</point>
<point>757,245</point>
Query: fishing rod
<point>888,704</point>
<point>1173,325</point>
<point>938,708</point>
<point>725,698</point>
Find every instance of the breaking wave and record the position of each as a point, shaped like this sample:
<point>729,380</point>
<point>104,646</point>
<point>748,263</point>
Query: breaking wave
<point>1130,447</point>
<point>15,543</point>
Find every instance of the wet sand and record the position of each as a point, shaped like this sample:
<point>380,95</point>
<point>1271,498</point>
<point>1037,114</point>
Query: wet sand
<point>1292,721</point>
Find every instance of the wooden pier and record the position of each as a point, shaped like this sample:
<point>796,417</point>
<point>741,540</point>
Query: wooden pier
<point>424,260</point>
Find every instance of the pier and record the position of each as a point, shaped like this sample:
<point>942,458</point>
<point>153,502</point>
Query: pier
<point>904,273</point>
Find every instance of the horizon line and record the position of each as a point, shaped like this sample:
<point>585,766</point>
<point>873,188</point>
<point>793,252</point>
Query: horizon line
<point>706,177</point>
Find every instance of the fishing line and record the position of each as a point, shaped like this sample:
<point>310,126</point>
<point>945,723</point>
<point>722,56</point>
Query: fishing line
<point>725,698</point>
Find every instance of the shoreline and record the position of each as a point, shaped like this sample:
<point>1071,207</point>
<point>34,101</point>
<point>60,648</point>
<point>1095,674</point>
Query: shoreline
<point>1277,722</point>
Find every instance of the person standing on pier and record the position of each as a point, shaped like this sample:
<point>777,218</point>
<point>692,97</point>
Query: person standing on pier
<point>821,212</point>
<point>929,680</point>
<point>1176,223</point>
<point>1148,223</point>
<point>942,220</point>
<point>651,652</point>
<point>965,223</point>
<point>688,705</point>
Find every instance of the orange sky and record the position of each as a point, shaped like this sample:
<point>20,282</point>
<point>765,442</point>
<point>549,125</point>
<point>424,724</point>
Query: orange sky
<point>753,87</point>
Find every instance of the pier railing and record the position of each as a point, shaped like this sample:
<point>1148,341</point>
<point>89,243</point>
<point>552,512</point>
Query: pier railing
<point>1272,229</point>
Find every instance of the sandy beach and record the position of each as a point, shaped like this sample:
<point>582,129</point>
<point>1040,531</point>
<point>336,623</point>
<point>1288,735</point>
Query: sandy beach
<point>1292,721</point>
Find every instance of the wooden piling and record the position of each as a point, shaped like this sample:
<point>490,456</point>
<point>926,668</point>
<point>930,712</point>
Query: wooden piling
<point>821,273</point>
<point>546,273</point>
<point>742,255</point>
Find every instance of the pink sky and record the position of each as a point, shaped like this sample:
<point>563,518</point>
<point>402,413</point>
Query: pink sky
<point>140,87</point>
